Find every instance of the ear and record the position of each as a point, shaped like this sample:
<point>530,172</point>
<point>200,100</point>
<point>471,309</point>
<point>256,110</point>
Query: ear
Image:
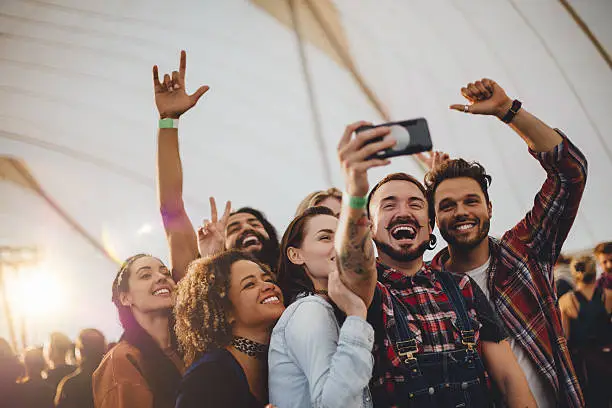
<point>295,256</point>
<point>490,209</point>
<point>125,299</point>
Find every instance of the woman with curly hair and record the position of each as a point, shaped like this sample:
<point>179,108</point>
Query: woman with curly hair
<point>225,310</point>
<point>321,348</point>
<point>143,369</point>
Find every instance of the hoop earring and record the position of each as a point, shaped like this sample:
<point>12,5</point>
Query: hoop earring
<point>432,242</point>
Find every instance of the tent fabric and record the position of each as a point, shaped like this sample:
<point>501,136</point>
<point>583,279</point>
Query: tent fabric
<point>77,106</point>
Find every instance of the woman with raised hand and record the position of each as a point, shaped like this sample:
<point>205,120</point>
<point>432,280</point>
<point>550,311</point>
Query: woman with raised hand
<point>320,351</point>
<point>226,308</point>
<point>143,370</point>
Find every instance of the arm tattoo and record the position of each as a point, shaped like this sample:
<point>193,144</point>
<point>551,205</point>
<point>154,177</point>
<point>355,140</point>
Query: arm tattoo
<point>357,252</point>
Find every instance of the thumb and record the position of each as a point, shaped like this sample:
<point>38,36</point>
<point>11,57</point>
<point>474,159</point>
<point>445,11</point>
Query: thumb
<point>195,97</point>
<point>458,107</point>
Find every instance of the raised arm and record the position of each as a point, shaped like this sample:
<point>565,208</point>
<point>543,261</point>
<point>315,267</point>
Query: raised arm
<point>172,101</point>
<point>545,227</point>
<point>356,260</point>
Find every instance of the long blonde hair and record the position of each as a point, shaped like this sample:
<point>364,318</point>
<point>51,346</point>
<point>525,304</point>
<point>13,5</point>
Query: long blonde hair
<point>317,197</point>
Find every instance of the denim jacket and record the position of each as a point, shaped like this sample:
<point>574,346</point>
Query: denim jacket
<point>315,363</point>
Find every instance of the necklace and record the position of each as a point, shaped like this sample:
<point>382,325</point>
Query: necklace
<point>251,348</point>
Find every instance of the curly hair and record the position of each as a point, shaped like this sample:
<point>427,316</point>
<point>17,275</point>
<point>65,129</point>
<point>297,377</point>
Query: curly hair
<point>316,198</point>
<point>454,169</point>
<point>202,304</point>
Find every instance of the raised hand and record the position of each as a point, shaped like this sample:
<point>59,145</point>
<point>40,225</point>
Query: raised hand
<point>344,298</point>
<point>211,235</point>
<point>433,159</point>
<point>353,154</point>
<point>171,97</point>
<point>485,97</point>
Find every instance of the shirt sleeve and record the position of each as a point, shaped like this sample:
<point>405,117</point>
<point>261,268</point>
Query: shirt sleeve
<point>492,328</point>
<point>338,365</point>
<point>545,227</point>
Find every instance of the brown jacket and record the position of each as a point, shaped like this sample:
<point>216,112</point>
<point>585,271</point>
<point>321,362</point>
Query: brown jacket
<point>118,382</point>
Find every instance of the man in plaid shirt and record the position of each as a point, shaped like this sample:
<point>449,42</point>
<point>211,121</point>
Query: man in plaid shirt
<point>432,328</point>
<point>516,271</point>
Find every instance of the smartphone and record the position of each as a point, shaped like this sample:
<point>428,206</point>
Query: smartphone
<point>412,137</point>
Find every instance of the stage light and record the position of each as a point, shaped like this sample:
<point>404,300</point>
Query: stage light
<point>37,293</point>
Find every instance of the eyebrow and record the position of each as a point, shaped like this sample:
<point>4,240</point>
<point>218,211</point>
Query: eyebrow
<point>326,230</point>
<point>143,267</point>
<point>231,225</point>
<point>247,277</point>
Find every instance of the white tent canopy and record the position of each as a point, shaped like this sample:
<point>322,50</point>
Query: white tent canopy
<point>77,106</point>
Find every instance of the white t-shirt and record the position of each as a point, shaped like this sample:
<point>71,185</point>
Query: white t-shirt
<point>541,390</point>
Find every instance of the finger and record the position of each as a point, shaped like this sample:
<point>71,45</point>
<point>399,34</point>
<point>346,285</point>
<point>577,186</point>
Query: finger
<point>473,90</point>
<point>370,149</point>
<point>227,212</point>
<point>156,84</point>
<point>201,232</point>
<point>182,68</point>
<point>175,80</point>
<point>349,130</point>
<point>195,97</point>
<point>168,82</point>
<point>482,90</point>
<point>213,209</point>
<point>467,94</point>
<point>460,108</point>
<point>361,139</point>
<point>489,84</point>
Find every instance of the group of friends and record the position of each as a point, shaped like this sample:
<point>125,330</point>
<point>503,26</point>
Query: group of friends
<point>343,311</point>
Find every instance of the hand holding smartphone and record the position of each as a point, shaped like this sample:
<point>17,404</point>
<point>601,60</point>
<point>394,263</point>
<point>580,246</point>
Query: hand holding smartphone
<point>412,137</point>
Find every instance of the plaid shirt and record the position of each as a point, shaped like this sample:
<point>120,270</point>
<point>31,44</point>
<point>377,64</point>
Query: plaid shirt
<point>520,276</point>
<point>430,317</point>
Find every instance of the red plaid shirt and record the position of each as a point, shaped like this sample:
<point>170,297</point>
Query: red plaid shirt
<point>430,317</point>
<point>520,276</point>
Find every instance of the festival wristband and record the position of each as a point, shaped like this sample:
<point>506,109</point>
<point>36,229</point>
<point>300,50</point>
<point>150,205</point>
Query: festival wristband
<point>358,203</point>
<point>168,123</point>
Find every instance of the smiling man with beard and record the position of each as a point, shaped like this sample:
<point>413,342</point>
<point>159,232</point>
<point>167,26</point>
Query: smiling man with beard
<point>516,271</point>
<point>437,339</point>
<point>248,230</point>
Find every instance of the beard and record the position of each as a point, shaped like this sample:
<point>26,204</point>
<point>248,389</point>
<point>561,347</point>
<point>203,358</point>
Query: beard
<point>402,255</point>
<point>269,252</point>
<point>464,244</point>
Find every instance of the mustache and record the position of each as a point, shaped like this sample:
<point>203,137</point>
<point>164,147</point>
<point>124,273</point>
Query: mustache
<point>403,220</point>
<point>245,234</point>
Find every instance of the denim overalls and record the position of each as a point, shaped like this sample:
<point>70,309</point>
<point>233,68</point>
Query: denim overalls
<point>442,379</point>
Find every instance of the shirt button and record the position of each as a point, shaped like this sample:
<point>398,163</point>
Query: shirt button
<point>431,390</point>
<point>464,385</point>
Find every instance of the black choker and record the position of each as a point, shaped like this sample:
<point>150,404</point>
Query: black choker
<point>251,348</point>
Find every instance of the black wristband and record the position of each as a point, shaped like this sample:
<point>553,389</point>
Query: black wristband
<point>516,106</point>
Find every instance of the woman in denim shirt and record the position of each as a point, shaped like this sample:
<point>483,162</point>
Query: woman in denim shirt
<point>319,356</point>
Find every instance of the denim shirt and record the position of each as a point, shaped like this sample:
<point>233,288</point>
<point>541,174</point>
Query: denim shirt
<point>315,363</point>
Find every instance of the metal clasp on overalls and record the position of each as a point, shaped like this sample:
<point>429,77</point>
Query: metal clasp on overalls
<point>468,339</point>
<point>406,350</point>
